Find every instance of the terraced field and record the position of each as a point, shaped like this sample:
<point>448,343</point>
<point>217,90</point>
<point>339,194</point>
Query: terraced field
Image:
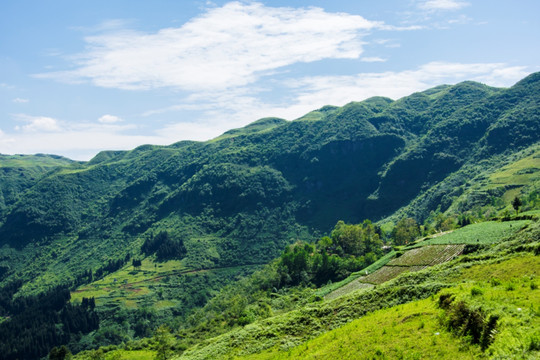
<point>428,255</point>
<point>488,232</point>
<point>387,273</point>
<point>349,288</point>
<point>161,284</point>
<point>432,251</point>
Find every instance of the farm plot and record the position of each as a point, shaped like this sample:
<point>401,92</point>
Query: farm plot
<point>350,287</point>
<point>388,273</point>
<point>488,232</point>
<point>428,255</point>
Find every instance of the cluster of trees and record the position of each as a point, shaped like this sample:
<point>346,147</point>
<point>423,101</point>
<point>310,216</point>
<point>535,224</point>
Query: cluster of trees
<point>405,231</point>
<point>39,323</point>
<point>349,248</point>
<point>164,247</point>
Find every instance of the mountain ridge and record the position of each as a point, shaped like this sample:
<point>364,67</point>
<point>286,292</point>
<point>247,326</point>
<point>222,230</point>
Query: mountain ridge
<point>363,160</point>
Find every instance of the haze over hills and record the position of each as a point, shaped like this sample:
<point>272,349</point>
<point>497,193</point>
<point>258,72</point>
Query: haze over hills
<point>239,199</point>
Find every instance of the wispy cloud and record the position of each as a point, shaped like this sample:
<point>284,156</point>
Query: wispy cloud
<point>338,90</point>
<point>442,5</point>
<point>372,59</point>
<point>225,47</point>
<point>20,101</point>
<point>81,141</point>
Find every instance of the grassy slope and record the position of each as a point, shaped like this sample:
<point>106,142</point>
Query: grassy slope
<point>414,330</point>
<point>416,258</point>
<point>285,179</point>
<point>283,333</point>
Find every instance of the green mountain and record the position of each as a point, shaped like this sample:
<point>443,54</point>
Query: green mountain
<point>18,173</point>
<point>200,214</point>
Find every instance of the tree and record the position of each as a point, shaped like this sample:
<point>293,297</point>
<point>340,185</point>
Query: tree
<point>358,239</point>
<point>406,230</point>
<point>516,204</point>
<point>136,263</point>
<point>60,353</point>
<point>164,341</point>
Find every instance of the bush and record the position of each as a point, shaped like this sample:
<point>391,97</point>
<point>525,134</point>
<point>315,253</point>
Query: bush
<point>467,322</point>
<point>475,291</point>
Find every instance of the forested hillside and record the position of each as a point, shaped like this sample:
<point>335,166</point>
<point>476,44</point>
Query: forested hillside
<point>201,214</point>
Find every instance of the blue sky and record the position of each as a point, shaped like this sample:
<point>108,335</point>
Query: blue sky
<point>80,77</point>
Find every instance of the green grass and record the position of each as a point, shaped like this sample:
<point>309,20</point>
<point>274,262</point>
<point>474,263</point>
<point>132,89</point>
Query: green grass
<point>525,266</point>
<point>347,289</point>
<point>414,330</point>
<point>517,174</point>
<point>29,161</point>
<point>119,355</point>
<point>534,213</point>
<point>409,331</point>
<point>501,280</point>
<point>488,232</point>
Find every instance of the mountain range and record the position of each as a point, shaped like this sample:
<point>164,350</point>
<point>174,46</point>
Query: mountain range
<point>237,200</point>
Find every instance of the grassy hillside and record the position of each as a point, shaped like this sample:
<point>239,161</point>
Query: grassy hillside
<point>498,282</point>
<point>20,172</point>
<point>419,330</point>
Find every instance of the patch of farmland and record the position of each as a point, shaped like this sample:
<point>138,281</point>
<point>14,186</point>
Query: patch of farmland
<point>488,232</point>
<point>428,255</point>
<point>388,273</point>
<point>350,287</point>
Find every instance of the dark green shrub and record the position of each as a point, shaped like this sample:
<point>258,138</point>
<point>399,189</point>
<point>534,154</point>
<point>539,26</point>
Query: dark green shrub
<point>445,300</point>
<point>475,291</point>
<point>467,322</point>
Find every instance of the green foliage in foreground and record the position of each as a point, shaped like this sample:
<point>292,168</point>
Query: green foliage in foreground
<point>469,278</point>
<point>422,329</point>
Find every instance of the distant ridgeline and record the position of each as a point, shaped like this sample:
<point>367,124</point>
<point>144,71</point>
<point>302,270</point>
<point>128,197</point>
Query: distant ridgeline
<point>241,198</point>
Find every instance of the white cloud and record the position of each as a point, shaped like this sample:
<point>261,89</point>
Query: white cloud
<point>37,123</point>
<point>79,141</point>
<point>20,101</point>
<point>372,59</point>
<point>461,19</point>
<point>225,47</point>
<point>338,90</point>
<point>109,119</point>
<point>442,5</point>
